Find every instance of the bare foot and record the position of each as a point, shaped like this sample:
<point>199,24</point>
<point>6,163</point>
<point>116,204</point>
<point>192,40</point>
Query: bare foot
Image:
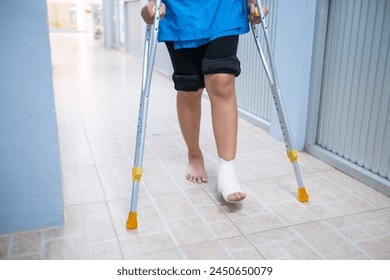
<point>196,171</point>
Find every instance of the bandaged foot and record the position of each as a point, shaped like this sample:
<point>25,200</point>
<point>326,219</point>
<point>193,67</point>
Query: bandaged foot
<point>228,184</point>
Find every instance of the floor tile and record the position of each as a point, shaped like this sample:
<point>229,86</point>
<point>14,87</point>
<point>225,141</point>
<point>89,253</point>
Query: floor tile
<point>27,243</point>
<point>272,252</point>
<point>164,184</point>
<point>327,242</point>
<point>198,197</point>
<point>69,248</point>
<point>107,250</point>
<point>173,205</point>
<point>258,223</point>
<point>211,214</point>
<point>4,243</point>
<point>96,211</point>
<point>99,231</point>
<point>350,206</point>
<point>292,212</point>
<point>34,256</point>
<point>191,231</point>
<point>212,250</point>
<point>322,211</point>
<point>247,254</point>
<point>263,238</point>
<point>139,245</point>
<point>266,192</point>
<point>375,249</point>
<point>225,229</point>
<point>74,224</point>
<point>237,244</point>
<point>370,217</point>
<point>298,249</point>
<point>355,234</point>
<point>170,254</point>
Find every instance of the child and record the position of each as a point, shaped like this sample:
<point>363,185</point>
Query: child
<point>202,38</point>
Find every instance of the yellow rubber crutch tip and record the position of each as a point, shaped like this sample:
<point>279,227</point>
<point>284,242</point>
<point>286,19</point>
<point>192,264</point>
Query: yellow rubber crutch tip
<point>132,222</point>
<point>302,195</point>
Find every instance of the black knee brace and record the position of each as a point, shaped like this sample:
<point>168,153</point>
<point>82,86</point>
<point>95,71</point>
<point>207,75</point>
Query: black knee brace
<point>226,64</point>
<point>188,82</point>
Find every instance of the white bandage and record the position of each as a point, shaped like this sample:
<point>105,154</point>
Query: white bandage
<point>227,179</point>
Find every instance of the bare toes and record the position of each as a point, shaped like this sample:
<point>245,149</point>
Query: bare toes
<point>236,196</point>
<point>196,173</point>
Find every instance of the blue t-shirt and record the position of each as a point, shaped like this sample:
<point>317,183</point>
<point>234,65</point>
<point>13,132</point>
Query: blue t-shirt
<point>191,23</point>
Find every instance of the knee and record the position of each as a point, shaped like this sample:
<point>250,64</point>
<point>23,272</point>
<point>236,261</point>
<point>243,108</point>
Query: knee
<point>220,85</point>
<point>220,73</point>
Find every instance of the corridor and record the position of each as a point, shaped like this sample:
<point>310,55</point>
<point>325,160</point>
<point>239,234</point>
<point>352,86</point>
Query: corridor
<point>97,99</point>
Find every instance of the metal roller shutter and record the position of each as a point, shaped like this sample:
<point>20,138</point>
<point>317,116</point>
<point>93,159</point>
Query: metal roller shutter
<point>354,113</point>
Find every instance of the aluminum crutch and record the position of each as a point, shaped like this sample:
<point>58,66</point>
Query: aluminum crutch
<point>149,55</point>
<point>270,70</point>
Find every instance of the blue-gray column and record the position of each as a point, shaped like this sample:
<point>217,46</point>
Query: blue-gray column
<point>30,176</point>
<point>293,56</point>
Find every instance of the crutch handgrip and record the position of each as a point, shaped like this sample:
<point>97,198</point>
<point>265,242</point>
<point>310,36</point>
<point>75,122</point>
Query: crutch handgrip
<point>256,11</point>
<point>161,9</point>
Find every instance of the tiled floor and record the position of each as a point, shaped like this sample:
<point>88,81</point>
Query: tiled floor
<point>97,99</point>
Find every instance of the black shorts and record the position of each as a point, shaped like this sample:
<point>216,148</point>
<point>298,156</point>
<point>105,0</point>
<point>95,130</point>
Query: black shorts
<point>190,65</point>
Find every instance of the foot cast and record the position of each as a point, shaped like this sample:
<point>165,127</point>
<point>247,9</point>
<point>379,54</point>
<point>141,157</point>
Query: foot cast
<point>228,184</point>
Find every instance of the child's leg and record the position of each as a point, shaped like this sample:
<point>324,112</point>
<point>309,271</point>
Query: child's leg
<point>220,67</point>
<point>189,115</point>
<point>189,83</point>
<point>221,89</point>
